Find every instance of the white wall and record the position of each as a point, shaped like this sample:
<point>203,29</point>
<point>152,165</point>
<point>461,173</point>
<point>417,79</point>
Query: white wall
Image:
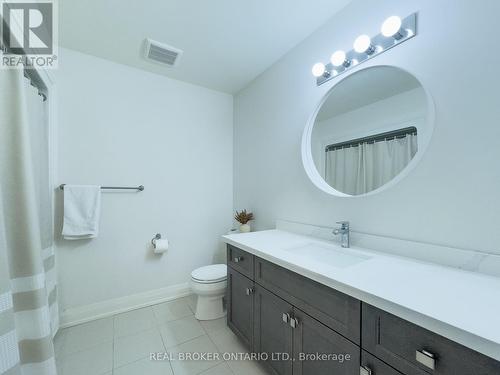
<point>452,196</point>
<point>123,126</point>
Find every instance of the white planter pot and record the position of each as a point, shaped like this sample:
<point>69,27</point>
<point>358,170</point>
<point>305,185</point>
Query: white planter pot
<point>244,228</point>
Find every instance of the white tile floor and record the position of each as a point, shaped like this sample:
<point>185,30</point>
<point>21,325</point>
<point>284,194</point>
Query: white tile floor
<point>121,345</point>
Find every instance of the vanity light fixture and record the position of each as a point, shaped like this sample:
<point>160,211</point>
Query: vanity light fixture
<point>338,58</point>
<point>363,44</point>
<point>318,69</point>
<point>393,32</point>
<point>392,28</point>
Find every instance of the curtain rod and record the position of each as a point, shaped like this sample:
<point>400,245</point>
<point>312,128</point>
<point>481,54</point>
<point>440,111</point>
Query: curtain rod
<point>399,133</point>
<point>29,72</point>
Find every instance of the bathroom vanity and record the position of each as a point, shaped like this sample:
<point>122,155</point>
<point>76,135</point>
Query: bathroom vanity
<point>311,308</point>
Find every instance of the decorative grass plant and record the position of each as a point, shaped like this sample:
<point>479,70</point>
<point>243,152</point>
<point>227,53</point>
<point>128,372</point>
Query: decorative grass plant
<point>243,217</point>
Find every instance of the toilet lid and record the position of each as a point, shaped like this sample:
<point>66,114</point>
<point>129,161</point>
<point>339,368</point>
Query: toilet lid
<point>215,272</point>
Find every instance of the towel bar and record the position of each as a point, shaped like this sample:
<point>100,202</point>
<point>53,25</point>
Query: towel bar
<point>139,188</point>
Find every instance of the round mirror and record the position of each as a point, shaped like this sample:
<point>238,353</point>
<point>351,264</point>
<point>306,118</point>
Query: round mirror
<point>368,131</point>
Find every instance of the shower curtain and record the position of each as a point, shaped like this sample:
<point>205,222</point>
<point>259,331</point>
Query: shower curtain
<point>27,287</point>
<point>361,169</point>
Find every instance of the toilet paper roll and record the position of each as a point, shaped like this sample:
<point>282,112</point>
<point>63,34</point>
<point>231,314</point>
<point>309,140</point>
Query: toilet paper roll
<point>160,246</point>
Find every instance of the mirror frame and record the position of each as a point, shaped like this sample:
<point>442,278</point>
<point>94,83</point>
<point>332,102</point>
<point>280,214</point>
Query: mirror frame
<point>307,158</point>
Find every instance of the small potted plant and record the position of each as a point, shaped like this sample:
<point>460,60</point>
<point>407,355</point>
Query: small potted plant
<point>243,217</point>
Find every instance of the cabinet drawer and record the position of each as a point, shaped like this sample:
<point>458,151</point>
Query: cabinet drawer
<point>410,348</point>
<point>240,260</point>
<point>336,310</point>
<point>374,366</point>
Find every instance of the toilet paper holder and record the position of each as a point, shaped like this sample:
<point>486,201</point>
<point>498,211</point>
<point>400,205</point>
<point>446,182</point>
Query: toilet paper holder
<point>156,237</point>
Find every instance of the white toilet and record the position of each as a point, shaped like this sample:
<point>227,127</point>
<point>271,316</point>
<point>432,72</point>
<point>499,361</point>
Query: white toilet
<point>209,284</point>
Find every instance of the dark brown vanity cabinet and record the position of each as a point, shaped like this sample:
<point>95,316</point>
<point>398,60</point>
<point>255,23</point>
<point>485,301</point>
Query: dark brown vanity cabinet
<point>240,305</point>
<point>292,320</point>
<point>371,365</point>
<point>297,322</point>
<point>313,343</point>
<point>295,343</point>
<point>240,261</point>
<point>334,309</point>
<point>413,350</point>
<point>272,331</point>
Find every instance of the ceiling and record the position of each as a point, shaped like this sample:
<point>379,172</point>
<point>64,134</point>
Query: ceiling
<point>365,87</point>
<point>226,43</point>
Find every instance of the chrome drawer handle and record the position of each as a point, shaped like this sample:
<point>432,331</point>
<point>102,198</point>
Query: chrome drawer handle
<point>250,291</point>
<point>238,259</point>
<point>426,358</point>
<point>286,317</point>
<point>294,322</point>
<point>365,370</point>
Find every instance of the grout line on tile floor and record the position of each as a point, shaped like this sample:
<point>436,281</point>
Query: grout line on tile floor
<point>166,351</point>
<point>218,364</point>
<point>113,350</point>
<point>190,308</point>
<point>129,363</point>
<point>113,338</point>
<point>61,356</point>
<point>156,327</point>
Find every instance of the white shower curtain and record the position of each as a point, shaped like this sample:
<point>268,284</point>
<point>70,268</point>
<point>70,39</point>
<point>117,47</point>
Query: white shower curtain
<point>26,260</point>
<point>39,135</point>
<point>361,169</point>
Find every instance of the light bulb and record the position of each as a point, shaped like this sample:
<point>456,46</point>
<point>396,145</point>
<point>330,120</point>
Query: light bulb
<point>318,69</point>
<point>392,27</point>
<point>363,44</point>
<point>338,58</point>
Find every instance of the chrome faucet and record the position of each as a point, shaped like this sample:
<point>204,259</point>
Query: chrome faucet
<point>344,232</point>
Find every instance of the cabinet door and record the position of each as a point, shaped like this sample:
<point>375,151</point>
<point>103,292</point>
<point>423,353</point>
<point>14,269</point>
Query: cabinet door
<point>240,307</point>
<point>272,331</point>
<point>318,350</point>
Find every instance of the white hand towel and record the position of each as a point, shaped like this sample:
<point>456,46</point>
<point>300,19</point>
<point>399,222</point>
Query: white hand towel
<point>82,208</point>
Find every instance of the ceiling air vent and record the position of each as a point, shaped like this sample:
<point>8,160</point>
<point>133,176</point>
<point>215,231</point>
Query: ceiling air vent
<point>162,53</point>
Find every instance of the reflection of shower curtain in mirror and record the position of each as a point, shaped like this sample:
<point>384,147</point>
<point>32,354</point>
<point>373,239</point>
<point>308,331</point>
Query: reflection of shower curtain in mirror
<point>361,169</point>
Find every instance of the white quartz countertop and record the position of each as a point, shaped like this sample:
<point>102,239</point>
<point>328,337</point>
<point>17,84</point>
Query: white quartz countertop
<point>460,305</point>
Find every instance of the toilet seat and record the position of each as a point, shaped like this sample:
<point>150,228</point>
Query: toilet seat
<point>212,274</point>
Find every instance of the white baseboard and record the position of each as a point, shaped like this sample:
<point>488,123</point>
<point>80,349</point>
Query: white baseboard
<point>82,314</point>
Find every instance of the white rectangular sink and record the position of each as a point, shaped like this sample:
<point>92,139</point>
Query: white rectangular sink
<point>332,256</point>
